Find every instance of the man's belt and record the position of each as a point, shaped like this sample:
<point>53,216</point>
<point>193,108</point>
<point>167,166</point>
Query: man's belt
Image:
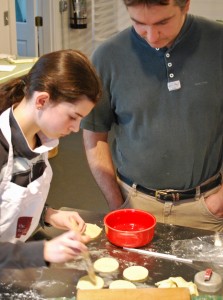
<point>172,195</point>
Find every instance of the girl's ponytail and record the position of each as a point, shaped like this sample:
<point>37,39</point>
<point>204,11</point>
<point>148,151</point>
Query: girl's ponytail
<point>11,92</point>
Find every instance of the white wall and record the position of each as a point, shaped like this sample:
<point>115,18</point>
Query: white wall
<point>102,23</point>
<point>65,37</point>
<point>123,17</point>
<point>79,38</point>
<point>212,9</point>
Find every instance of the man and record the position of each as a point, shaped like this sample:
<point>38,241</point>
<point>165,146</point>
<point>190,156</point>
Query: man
<point>163,96</point>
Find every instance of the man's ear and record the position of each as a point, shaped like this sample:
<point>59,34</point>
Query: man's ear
<point>41,99</point>
<point>187,6</point>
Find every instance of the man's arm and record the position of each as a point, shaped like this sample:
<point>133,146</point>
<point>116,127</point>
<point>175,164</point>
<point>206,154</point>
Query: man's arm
<point>101,165</point>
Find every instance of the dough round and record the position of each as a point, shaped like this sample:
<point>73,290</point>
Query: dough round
<point>84,283</point>
<point>135,273</point>
<point>92,230</point>
<point>167,283</point>
<point>106,265</point>
<point>122,284</point>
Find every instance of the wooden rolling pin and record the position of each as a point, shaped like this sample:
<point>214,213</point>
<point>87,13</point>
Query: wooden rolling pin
<point>133,294</point>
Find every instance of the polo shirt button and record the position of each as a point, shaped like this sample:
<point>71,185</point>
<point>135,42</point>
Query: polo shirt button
<point>171,75</point>
<point>169,64</point>
<point>167,55</point>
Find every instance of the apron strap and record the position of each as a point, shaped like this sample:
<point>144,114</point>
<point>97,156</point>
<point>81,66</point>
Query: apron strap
<point>6,130</point>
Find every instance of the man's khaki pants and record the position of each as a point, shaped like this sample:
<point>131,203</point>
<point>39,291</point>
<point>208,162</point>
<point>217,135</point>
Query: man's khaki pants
<point>190,212</point>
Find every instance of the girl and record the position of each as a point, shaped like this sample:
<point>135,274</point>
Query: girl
<point>36,110</point>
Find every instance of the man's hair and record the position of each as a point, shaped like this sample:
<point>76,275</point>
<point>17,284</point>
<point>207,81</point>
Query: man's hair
<point>180,3</point>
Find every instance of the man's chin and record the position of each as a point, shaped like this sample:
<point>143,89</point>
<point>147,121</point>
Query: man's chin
<point>157,45</point>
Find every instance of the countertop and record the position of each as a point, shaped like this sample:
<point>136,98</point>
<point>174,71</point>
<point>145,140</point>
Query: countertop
<point>61,280</point>
<point>19,70</point>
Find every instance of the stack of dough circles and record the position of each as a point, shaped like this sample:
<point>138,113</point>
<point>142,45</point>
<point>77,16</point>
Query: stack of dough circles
<point>106,265</point>
<point>92,230</point>
<point>135,273</point>
<point>84,283</point>
<point>122,284</point>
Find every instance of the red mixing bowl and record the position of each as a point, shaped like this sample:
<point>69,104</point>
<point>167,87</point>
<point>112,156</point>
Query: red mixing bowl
<point>129,227</point>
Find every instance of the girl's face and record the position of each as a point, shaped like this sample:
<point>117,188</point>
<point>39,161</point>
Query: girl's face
<point>59,120</point>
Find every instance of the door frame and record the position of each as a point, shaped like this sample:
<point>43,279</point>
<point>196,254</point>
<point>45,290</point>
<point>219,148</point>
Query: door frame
<point>50,39</point>
<point>12,27</point>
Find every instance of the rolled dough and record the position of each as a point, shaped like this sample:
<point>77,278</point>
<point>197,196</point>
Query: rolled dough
<point>85,283</point>
<point>135,273</point>
<point>121,284</point>
<point>92,230</point>
<point>172,282</point>
<point>106,265</point>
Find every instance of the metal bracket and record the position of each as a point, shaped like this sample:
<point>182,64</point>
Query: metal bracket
<point>38,21</point>
<point>63,6</point>
<point>6,18</point>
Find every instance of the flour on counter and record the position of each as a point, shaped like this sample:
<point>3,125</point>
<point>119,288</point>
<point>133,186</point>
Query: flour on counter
<point>27,295</point>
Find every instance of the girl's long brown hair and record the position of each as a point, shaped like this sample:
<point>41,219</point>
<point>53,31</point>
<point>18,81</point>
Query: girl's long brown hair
<point>65,75</point>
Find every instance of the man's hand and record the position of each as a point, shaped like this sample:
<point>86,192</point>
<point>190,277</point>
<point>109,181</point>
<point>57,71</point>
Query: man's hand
<point>214,203</point>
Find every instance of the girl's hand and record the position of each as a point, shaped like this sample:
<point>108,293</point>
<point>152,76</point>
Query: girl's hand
<point>64,247</point>
<point>62,219</point>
